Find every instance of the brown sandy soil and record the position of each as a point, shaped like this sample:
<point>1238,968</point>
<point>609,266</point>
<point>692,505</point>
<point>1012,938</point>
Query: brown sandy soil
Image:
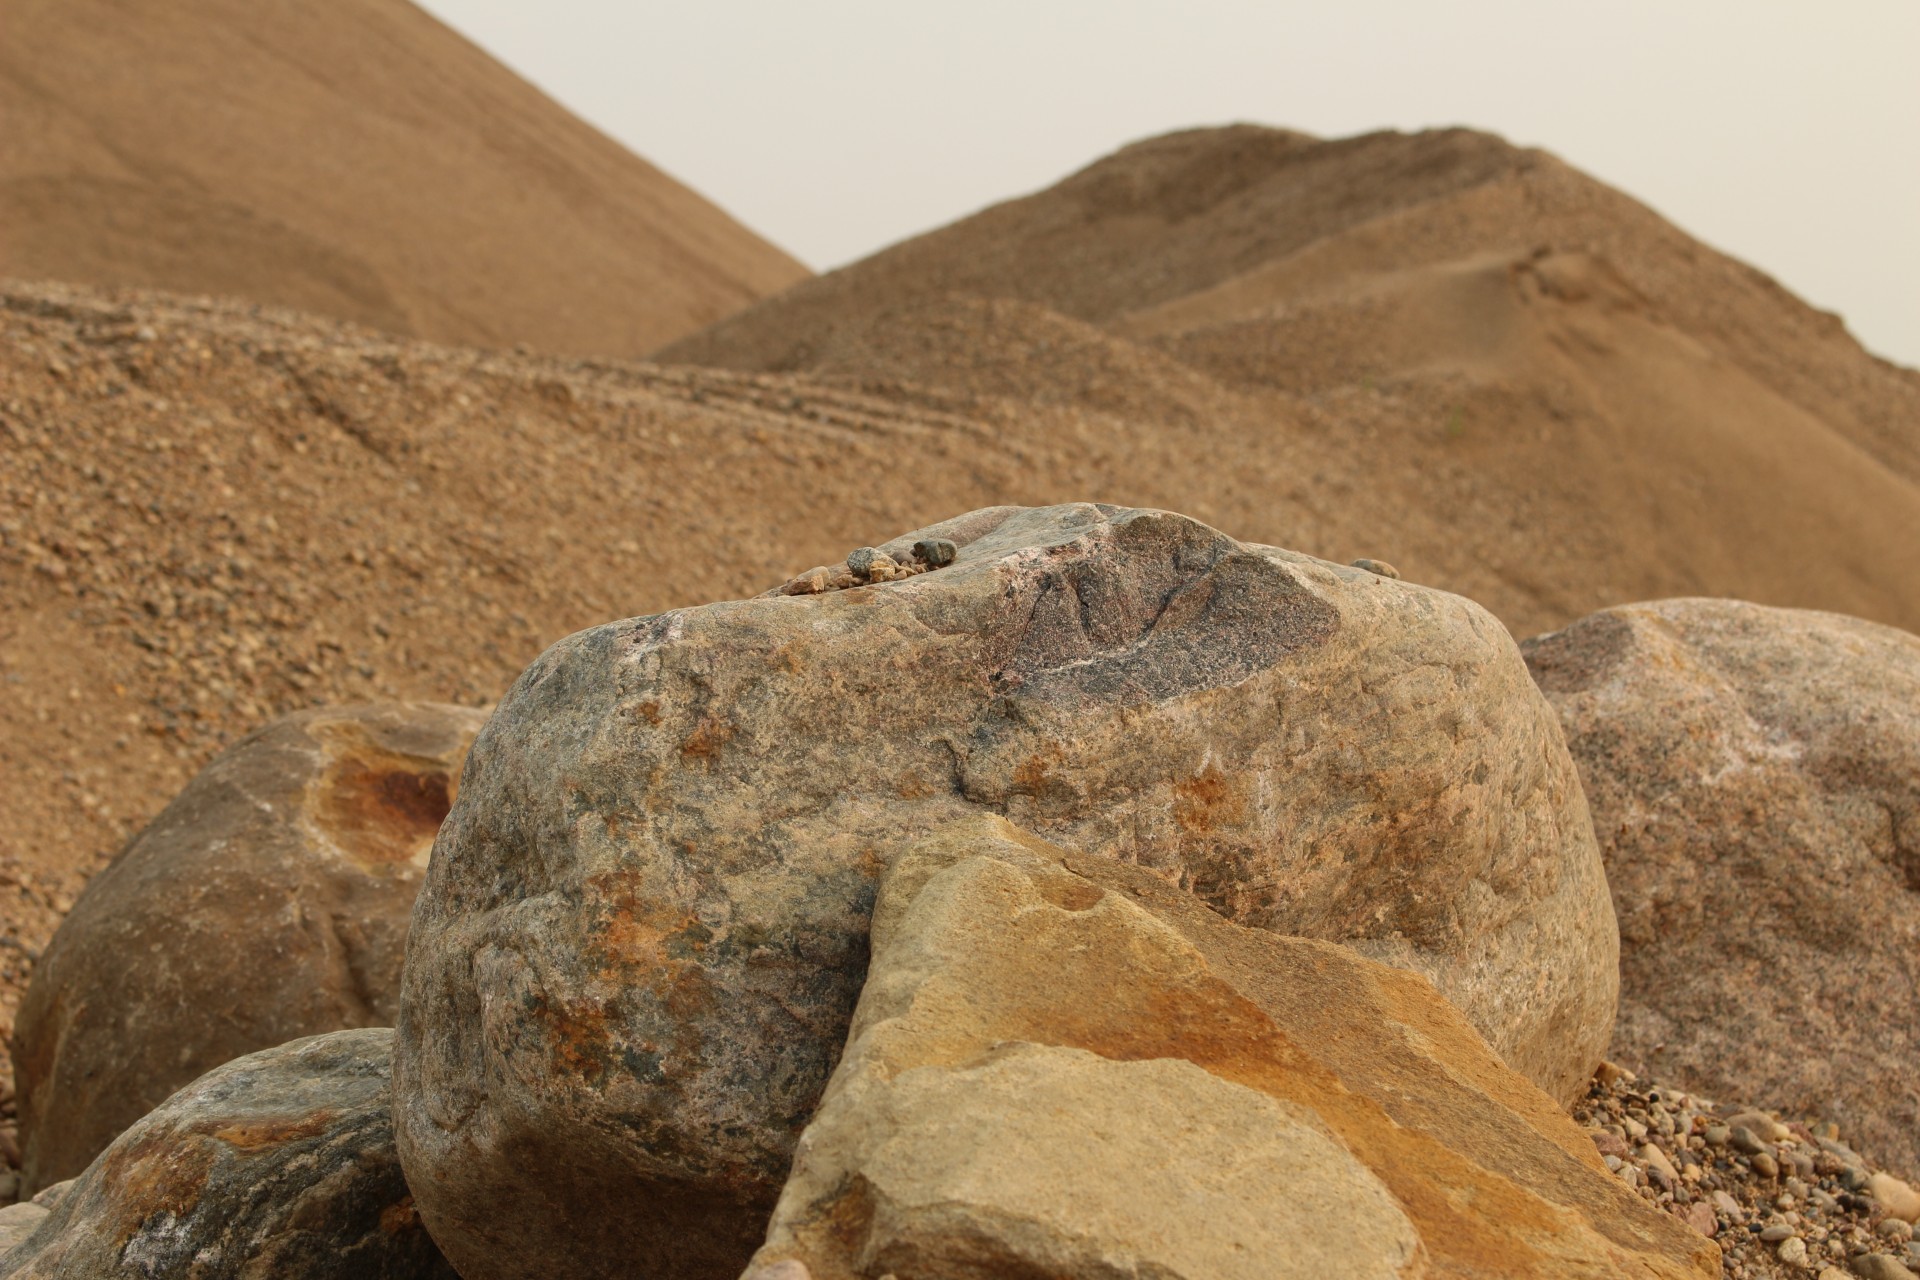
<point>355,158</point>
<point>1642,415</point>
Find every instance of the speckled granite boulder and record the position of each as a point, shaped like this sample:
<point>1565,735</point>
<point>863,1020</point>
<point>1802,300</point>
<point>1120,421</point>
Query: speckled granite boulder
<point>644,929</point>
<point>269,901</point>
<point>1755,781</point>
<point>1062,1067</point>
<point>277,1166</point>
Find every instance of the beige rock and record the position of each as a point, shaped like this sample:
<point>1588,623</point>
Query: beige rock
<point>17,1222</point>
<point>1763,1125</point>
<point>1754,775</point>
<point>1894,1195</point>
<point>1061,1067</point>
<point>269,901</point>
<point>645,926</point>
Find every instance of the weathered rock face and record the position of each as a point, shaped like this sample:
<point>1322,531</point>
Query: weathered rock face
<point>269,901</point>
<point>1062,1067</point>
<point>1755,781</point>
<point>644,929</point>
<point>277,1166</point>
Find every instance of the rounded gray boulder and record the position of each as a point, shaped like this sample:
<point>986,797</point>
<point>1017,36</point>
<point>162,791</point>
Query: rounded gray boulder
<point>644,929</point>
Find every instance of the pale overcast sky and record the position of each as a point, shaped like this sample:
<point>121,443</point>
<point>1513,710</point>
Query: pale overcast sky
<point>1781,131</point>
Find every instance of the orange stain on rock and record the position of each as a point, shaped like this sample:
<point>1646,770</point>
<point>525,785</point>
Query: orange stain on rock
<point>380,807</point>
<point>268,1133</point>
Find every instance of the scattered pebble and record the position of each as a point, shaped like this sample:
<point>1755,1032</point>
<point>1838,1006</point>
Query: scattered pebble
<point>1380,567</point>
<point>937,553</point>
<point>1781,1203</point>
<point>867,565</point>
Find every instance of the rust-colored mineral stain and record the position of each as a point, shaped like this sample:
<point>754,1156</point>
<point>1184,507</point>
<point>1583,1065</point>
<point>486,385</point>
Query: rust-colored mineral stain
<point>1207,801</point>
<point>157,1173</point>
<point>399,1218</point>
<point>270,1133</point>
<point>707,738</point>
<point>380,807</point>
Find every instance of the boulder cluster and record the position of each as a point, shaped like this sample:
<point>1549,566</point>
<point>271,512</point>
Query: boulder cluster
<point>1072,892</point>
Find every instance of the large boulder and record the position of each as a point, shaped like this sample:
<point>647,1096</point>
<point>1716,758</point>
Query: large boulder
<point>269,901</point>
<point>644,929</point>
<point>1754,775</point>
<point>277,1166</point>
<point>1062,1067</point>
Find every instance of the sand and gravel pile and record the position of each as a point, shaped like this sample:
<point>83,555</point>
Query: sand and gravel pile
<point>1435,350</point>
<point>1599,407</point>
<point>356,159</point>
<point>1781,1198</point>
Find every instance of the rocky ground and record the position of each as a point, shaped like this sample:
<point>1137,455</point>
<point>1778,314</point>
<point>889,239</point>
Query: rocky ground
<point>1782,1199</point>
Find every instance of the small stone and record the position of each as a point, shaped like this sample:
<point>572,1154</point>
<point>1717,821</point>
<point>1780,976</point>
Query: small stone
<point>1609,1143</point>
<point>1895,1229</point>
<point>935,553</point>
<point>1746,1141</point>
<point>810,583</point>
<point>1729,1206</point>
<point>1899,1199</point>
<point>870,565</point>
<point>9,1185</point>
<point>1762,1124</point>
<point>1700,1218</point>
<point>1386,570</point>
<point>785,1269</point>
<point>1775,1233</point>
<point>1717,1135</point>
<point>1879,1266</point>
<point>1635,1130</point>
<point>1659,1166</point>
<point>1607,1073</point>
<point>1765,1165</point>
<point>1793,1251</point>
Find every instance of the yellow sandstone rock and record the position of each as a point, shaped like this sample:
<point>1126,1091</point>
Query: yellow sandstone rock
<point>1060,1066</point>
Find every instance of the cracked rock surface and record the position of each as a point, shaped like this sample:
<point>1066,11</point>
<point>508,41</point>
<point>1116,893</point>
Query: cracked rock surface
<point>640,942</point>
